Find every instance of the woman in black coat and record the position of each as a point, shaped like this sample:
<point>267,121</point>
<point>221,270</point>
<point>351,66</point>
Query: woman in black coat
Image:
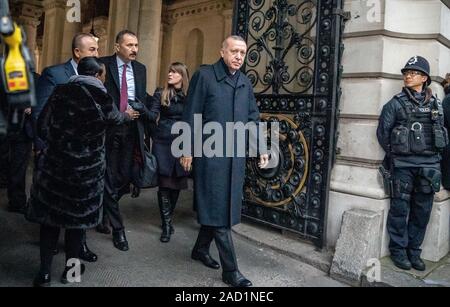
<point>68,183</point>
<point>169,104</point>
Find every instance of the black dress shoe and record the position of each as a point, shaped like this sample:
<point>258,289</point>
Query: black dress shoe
<point>120,241</point>
<point>417,263</point>
<point>401,262</point>
<point>87,255</point>
<point>206,259</point>
<point>236,279</point>
<point>42,280</point>
<point>103,229</point>
<point>64,277</point>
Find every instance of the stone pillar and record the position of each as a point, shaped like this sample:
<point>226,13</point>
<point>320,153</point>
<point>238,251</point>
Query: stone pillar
<point>228,22</point>
<point>118,19</point>
<point>100,29</point>
<point>166,50</point>
<point>379,39</point>
<point>55,17</point>
<point>70,30</point>
<point>123,14</point>
<point>38,56</point>
<point>149,33</point>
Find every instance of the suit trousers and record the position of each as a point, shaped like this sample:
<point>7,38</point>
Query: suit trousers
<point>19,156</point>
<point>224,243</point>
<point>119,160</point>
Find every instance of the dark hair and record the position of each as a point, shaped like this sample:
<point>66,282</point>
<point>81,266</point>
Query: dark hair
<point>90,66</point>
<point>446,84</point>
<point>169,91</point>
<point>122,33</point>
<point>76,41</point>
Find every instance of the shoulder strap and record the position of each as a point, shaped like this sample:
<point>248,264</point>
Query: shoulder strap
<point>402,98</point>
<point>97,106</point>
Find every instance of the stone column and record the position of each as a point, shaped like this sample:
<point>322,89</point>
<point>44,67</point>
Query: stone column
<point>123,14</point>
<point>149,39</point>
<point>228,22</point>
<point>70,30</point>
<point>55,16</point>
<point>100,29</point>
<point>166,50</point>
<point>38,55</point>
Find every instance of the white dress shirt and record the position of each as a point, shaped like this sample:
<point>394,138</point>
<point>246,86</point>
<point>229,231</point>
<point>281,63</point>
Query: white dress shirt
<point>130,78</point>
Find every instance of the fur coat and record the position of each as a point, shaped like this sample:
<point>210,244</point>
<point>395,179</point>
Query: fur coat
<point>68,183</point>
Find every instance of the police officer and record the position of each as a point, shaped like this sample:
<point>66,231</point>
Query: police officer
<point>412,133</point>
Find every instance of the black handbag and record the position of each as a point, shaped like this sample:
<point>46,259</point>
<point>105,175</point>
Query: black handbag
<point>145,173</point>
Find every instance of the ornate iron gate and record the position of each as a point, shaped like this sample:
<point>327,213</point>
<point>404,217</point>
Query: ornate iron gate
<point>294,65</point>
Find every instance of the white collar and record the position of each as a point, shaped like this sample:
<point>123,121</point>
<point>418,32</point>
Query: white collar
<point>120,63</point>
<point>74,65</point>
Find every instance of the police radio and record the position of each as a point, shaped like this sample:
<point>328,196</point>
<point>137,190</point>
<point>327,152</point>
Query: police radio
<point>16,67</point>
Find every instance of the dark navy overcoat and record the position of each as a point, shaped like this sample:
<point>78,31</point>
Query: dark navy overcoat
<point>219,181</point>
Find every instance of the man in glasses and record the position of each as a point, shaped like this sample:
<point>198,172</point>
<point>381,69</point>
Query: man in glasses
<point>411,131</point>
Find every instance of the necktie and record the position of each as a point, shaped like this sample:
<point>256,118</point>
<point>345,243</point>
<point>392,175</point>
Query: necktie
<point>124,90</point>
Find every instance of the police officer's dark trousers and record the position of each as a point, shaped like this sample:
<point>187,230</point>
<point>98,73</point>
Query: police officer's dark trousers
<point>410,211</point>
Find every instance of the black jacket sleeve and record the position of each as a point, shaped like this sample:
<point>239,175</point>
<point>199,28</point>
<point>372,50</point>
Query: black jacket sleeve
<point>115,117</point>
<point>386,124</point>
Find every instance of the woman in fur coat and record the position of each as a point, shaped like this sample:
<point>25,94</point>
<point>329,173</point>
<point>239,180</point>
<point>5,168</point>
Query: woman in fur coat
<point>68,183</point>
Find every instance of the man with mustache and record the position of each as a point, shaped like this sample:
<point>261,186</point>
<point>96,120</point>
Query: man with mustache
<point>126,82</point>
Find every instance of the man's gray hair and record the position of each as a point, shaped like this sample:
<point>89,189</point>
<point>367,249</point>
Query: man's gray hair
<point>234,37</point>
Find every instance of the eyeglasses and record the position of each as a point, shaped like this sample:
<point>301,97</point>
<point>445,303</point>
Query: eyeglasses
<point>412,73</point>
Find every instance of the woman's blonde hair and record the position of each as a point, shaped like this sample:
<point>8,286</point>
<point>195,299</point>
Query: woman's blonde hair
<point>169,90</point>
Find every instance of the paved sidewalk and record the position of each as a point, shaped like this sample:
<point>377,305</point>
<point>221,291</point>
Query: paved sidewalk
<point>149,262</point>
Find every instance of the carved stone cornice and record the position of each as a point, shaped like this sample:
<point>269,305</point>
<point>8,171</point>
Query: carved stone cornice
<point>52,4</point>
<point>28,21</point>
<point>27,8</point>
<point>173,13</point>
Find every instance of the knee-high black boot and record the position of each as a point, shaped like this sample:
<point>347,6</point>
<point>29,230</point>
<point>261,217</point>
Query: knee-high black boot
<point>165,209</point>
<point>174,194</point>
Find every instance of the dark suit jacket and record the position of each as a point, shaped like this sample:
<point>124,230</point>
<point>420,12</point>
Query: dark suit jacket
<point>50,78</point>
<point>112,85</point>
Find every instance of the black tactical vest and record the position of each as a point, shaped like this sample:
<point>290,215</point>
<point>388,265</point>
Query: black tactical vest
<point>419,129</point>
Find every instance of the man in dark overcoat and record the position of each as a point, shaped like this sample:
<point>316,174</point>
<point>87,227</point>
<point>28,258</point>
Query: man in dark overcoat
<point>220,93</point>
<point>126,82</point>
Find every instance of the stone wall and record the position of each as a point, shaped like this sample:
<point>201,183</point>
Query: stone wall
<point>208,22</point>
<point>379,39</point>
